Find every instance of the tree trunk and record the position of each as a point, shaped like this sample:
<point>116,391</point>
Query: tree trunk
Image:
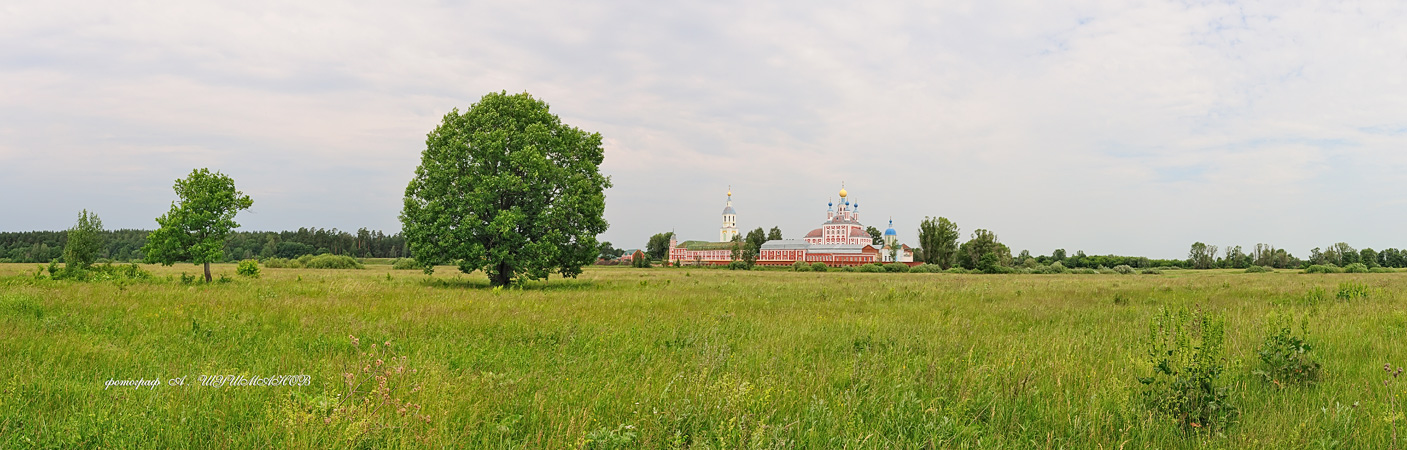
<point>501,278</point>
<point>207,271</point>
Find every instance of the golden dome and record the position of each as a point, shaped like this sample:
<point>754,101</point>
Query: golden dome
<point>843,193</point>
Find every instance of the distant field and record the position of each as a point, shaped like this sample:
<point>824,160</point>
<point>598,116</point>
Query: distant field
<point>674,358</point>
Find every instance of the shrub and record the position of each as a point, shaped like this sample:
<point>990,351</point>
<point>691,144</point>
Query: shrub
<point>103,272</point>
<point>1380,270</point>
<point>738,265</point>
<point>818,267</point>
<point>896,267</point>
<point>1151,271</point>
<point>1053,268</point>
<point>956,269</point>
<point>800,266</point>
<point>870,268</point>
<point>1284,356</point>
<point>1084,271</point>
<point>1185,351</point>
<point>926,268</point>
<point>1356,268</point>
<point>1124,269</point>
<point>848,269</point>
<point>404,264</point>
<point>330,261</point>
<point>1323,268</point>
<point>280,263</point>
<point>187,279</point>
<point>1259,269</point>
<point>248,268</point>
<point>1352,291</point>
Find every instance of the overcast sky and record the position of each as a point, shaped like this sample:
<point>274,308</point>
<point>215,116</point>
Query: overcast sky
<point>1109,127</point>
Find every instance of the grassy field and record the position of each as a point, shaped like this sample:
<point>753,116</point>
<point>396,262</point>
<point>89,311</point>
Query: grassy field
<point>674,358</point>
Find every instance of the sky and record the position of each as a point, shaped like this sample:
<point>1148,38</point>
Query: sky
<point>1112,127</point>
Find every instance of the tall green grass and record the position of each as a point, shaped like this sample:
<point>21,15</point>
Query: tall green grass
<point>677,358</point>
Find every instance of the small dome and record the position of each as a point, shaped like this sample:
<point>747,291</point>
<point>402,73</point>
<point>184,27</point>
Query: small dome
<point>729,210</point>
<point>890,231</point>
<point>843,193</point>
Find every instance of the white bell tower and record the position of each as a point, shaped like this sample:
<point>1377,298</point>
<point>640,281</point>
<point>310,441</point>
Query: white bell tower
<point>730,220</point>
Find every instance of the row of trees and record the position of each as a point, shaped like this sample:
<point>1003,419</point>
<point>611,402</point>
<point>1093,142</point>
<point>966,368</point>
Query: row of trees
<point>126,244</point>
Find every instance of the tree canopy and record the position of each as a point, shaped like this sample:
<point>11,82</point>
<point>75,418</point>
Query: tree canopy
<point>505,187</point>
<point>939,240</point>
<point>85,241</point>
<point>197,225</point>
<point>658,245</point>
<point>775,234</point>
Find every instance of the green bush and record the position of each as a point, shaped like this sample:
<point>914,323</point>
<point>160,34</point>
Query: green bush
<point>1054,268</point>
<point>870,268</point>
<point>1259,269</point>
<point>1124,269</point>
<point>926,268</point>
<point>896,267</point>
<point>282,263</point>
<point>248,268</point>
<point>1284,355</point>
<point>330,261</point>
<point>956,269</point>
<point>100,272</point>
<point>800,266</point>
<point>1323,268</point>
<point>404,264</point>
<point>1356,268</point>
<point>1186,353</point>
<point>1349,291</point>
<point>739,265</point>
<point>1084,271</point>
<point>818,267</point>
<point>1380,270</point>
<point>1151,271</point>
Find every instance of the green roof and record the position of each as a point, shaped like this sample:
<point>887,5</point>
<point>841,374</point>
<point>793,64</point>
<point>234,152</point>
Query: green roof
<point>702,245</point>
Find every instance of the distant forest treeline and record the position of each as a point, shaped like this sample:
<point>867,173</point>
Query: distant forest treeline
<point>126,244</point>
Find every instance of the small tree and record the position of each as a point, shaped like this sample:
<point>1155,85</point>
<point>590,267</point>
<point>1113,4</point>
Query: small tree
<point>609,252</point>
<point>85,241</point>
<point>736,248</point>
<point>875,235</point>
<point>658,245</point>
<point>197,225</point>
<point>775,234</point>
<point>939,240</point>
<point>755,239</point>
<point>982,243</point>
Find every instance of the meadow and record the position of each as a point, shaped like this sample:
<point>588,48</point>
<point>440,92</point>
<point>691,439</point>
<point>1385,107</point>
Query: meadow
<point>676,358</point>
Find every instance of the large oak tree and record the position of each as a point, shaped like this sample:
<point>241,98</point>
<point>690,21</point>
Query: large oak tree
<point>505,187</point>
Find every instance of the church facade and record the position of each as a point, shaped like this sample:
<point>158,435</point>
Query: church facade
<point>840,241</point>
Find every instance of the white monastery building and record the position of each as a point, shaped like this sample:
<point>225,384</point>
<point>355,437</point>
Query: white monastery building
<point>840,241</point>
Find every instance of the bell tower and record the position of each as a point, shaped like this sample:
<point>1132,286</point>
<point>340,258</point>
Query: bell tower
<point>730,220</point>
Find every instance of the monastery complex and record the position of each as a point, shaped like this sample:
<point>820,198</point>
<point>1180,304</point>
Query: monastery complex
<point>840,241</point>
